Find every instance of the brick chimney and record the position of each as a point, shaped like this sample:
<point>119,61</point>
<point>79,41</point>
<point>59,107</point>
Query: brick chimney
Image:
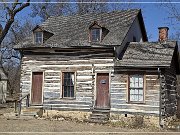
<point>163,34</point>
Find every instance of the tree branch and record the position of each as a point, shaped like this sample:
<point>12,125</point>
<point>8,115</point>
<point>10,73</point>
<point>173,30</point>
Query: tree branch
<point>12,14</point>
<point>22,7</point>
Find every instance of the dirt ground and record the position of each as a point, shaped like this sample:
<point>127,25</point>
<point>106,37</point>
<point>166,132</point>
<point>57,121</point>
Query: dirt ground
<point>51,127</point>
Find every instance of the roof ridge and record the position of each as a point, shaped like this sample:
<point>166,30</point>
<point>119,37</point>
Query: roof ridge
<point>117,11</point>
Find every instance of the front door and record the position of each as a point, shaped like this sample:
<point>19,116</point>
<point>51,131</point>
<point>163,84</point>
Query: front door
<point>36,91</point>
<point>102,88</point>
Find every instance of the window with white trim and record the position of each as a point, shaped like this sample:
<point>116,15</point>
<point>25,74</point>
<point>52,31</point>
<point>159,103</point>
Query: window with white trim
<point>136,88</point>
<point>38,37</point>
<point>68,79</point>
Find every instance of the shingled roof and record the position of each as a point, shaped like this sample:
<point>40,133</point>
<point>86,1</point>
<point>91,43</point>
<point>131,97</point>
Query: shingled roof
<point>71,31</point>
<point>147,54</point>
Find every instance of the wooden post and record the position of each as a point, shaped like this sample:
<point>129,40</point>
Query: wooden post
<point>15,106</point>
<point>19,106</point>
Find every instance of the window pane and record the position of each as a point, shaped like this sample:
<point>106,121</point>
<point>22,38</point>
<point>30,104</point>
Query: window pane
<point>38,37</point>
<point>140,97</point>
<point>141,82</point>
<point>136,91</point>
<point>132,91</point>
<point>65,91</point>
<point>132,97</point>
<point>95,34</point>
<point>136,82</point>
<point>141,92</point>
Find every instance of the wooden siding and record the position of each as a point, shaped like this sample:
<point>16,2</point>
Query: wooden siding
<point>53,66</point>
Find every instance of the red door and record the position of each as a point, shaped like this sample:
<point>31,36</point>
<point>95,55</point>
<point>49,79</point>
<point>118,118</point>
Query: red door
<point>102,88</point>
<point>36,91</point>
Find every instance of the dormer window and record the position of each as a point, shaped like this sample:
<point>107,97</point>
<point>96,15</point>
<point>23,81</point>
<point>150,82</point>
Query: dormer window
<point>38,37</point>
<point>95,34</point>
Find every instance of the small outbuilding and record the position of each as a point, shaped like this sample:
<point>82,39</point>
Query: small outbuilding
<point>3,86</point>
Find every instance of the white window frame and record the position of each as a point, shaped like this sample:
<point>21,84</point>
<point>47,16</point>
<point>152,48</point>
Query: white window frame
<point>136,88</point>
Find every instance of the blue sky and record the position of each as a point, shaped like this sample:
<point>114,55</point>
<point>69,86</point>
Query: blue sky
<point>154,17</point>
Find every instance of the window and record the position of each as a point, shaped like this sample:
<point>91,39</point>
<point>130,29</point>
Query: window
<point>95,34</point>
<point>136,86</point>
<point>38,37</point>
<point>68,84</point>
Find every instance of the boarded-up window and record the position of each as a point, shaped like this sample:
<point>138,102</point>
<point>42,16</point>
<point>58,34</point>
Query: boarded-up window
<point>68,84</point>
<point>136,88</point>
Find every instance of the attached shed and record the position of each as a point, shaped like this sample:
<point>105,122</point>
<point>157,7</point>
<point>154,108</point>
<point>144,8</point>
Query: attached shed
<point>151,69</point>
<point>3,86</point>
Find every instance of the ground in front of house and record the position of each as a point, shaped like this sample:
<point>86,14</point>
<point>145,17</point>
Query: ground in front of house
<point>53,126</point>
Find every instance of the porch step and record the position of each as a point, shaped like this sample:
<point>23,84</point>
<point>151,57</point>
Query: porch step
<point>32,111</point>
<point>99,115</point>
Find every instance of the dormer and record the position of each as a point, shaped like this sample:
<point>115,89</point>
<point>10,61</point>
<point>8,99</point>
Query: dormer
<point>97,32</point>
<point>40,35</point>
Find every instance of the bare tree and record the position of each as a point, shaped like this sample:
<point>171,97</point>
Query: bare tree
<point>173,18</point>
<point>8,13</point>
<point>47,9</point>
<point>8,56</point>
<point>63,7</point>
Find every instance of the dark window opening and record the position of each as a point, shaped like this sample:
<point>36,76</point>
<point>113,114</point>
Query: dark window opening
<point>68,84</point>
<point>95,34</point>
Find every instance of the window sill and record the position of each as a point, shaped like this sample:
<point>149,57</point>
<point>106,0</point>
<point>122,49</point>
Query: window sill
<point>68,98</point>
<point>132,102</point>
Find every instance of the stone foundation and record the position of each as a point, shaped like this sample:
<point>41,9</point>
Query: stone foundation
<point>119,120</point>
<point>134,121</point>
<point>66,115</point>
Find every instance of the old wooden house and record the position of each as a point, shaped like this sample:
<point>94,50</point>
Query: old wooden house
<point>96,62</point>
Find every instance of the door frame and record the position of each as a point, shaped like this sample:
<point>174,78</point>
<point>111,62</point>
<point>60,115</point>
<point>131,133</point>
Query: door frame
<point>30,100</point>
<point>95,87</point>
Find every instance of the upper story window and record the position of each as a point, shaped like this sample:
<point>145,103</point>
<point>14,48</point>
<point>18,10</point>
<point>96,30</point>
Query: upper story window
<point>38,37</point>
<point>95,34</point>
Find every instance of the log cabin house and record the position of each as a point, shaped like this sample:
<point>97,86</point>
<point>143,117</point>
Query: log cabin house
<point>100,62</point>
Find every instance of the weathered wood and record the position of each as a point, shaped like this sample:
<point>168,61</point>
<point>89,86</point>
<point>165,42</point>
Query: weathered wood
<point>57,62</point>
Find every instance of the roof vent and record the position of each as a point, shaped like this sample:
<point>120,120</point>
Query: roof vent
<point>163,34</point>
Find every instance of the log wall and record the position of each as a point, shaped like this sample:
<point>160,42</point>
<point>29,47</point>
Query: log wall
<point>85,65</point>
<point>168,91</point>
<point>52,65</point>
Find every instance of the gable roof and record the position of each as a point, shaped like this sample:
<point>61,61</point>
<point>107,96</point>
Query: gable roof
<point>147,54</point>
<point>71,31</point>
